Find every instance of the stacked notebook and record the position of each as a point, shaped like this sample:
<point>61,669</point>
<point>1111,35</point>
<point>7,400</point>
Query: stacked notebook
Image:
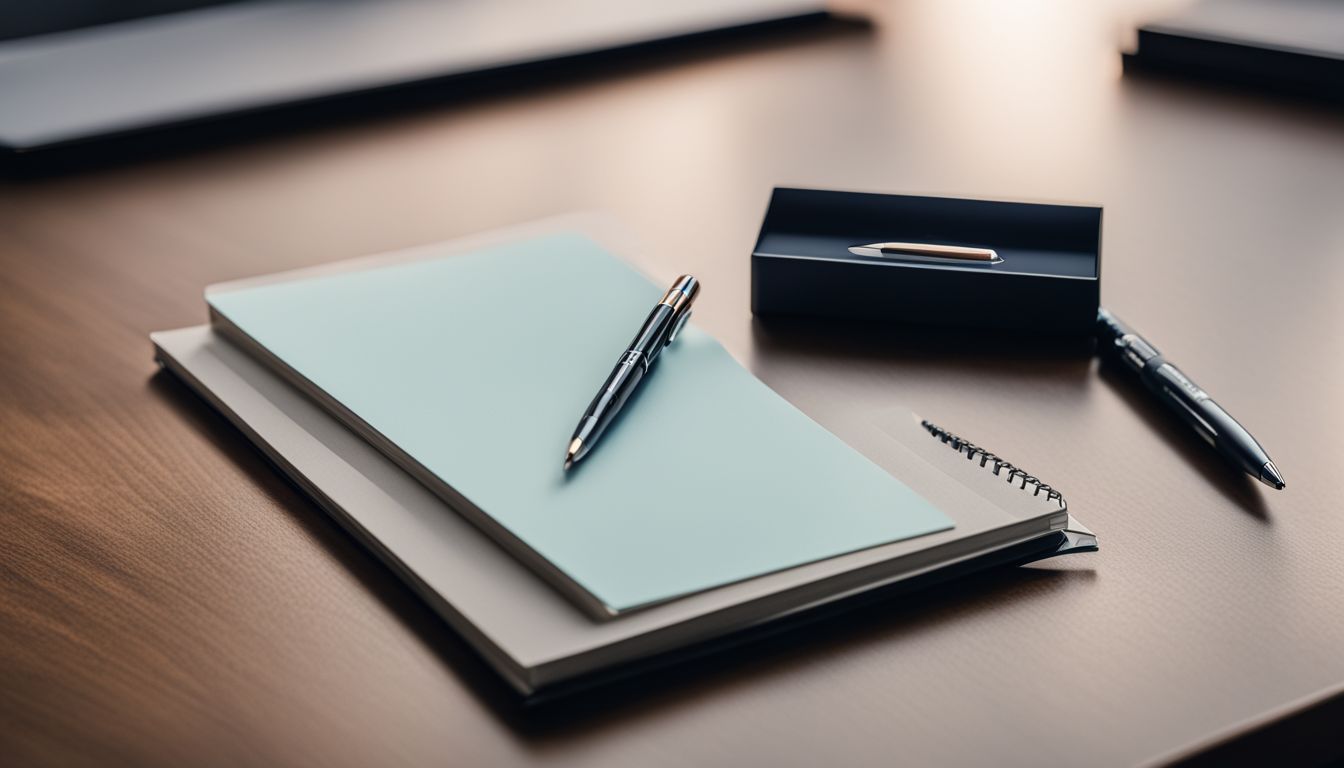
<point>425,400</point>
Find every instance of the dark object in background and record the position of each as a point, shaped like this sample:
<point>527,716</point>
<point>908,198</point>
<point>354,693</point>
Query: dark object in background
<point>1288,47</point>
<point>183,79</point>
<point>1048,284</point>
<point>42,17</point>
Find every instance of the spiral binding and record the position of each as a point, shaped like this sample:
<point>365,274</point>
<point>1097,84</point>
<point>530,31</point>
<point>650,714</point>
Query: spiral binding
<point>973,451</point>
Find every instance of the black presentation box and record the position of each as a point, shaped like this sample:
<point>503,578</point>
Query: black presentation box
<point>1049,282</point>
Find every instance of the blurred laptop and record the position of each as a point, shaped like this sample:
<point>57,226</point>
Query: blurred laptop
<point>78,75</point>
<point>1288,47</point>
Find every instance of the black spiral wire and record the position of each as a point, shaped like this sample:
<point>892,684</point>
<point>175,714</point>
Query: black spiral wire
<point>973,451</point>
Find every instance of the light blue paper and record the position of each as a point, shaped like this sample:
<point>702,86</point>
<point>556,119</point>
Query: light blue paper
<point>478,366</point>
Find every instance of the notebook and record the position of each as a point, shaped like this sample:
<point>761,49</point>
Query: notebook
<point>536,639</point>
<point>470,371</point>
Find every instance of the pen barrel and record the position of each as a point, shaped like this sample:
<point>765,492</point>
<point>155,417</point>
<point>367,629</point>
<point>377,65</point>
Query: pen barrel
<point>1166,379</point>
<point>658,330</point>
<point>622,381</point>
<point>653,335</point>
<point>1233,441</point>
<point>1182,396</point>
<point>1132,350</point>
<point>1201,412</point>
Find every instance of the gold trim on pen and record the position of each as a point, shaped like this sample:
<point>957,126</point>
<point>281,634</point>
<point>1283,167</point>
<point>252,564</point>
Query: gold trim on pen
<point>674,299</point>
<point>682,292</point>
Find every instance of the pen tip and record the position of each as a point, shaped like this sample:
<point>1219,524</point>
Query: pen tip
<point>572,454</point>
<point>1269,475</point>
<point>568,463</point>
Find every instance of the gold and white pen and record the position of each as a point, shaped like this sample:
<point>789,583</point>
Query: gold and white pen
<point>929,252</point>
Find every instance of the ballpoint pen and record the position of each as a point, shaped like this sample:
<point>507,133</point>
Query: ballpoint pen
<point>947,254</point>
<point>659,330</point>
<point>1191,403</point>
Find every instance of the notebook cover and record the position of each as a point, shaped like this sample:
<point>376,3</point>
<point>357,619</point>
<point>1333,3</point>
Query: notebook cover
<point>471,370</point>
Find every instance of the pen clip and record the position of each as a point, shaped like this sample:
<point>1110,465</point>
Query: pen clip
<point>678,323</point>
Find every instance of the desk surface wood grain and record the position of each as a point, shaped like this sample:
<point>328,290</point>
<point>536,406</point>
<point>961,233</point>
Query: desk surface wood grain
<point>167,599</point>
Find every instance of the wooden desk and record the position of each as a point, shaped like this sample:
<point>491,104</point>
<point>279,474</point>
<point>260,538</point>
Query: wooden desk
<point>166,599</point>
